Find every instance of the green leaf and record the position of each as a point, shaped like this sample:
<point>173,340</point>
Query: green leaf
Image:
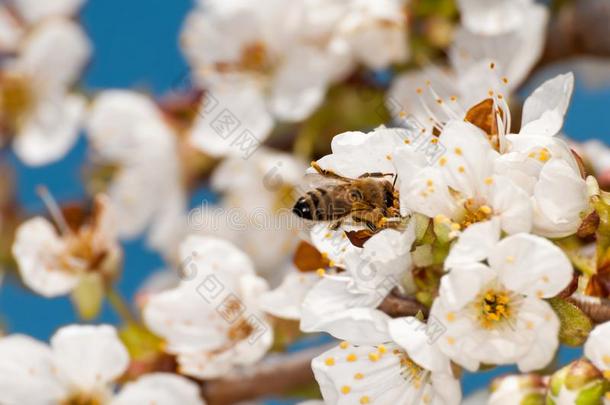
<point>575,324</point>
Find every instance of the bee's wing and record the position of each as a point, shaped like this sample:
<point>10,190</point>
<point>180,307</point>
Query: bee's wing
<point>316,180</point>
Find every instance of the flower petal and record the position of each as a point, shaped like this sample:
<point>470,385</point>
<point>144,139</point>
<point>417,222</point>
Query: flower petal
<point>469,157</point>
<point>356,374</point>
<point>474,244</point>
<point>299,85</point>
<point>89,357</point>
<point>512,204</point>
<point>412,335</point>
<point>286,300</point>
<point>27,373</point>
<point>543,111</point>
<point>54,55</point>
<point>597,346</point>
<point>462,284</point>
<point>233,115</point>
<point>160,389</point>
<point>538,317</point>
<point>34,11</point>
<point>51,130</point>
<point>330,308</point>
<point>531,265</point>
<point>36,249</point>
<point>560,197</point>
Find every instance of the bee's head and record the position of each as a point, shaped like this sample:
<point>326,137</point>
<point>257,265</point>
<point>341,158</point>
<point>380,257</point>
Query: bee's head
<point>302,209</point>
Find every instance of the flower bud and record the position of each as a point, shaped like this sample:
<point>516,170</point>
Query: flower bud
<point>528,389</point>
<point>577,383</point>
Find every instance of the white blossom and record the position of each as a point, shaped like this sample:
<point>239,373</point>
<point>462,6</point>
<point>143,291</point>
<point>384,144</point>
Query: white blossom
<point>212,321</point>
<point>53,263</point>
<point>494,313</point>
<point>344,304</point>
<point>81,365</point>
<point>38,109</point>
<point>257,195</point>
<point>274,60</point>
<point>406,370</point>
<point>129,135</point>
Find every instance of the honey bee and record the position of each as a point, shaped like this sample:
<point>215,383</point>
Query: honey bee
<point>370,200</point>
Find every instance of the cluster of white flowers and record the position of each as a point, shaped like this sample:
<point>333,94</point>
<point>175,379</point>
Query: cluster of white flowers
<point>494,203</point>
<point>81,366</point>
<point>490,228</point>
<point>274,60</point>
<point>43,53</point>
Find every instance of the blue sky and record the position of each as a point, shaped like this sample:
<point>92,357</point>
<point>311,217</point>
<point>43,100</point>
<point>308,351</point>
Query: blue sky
<point>136,46</point>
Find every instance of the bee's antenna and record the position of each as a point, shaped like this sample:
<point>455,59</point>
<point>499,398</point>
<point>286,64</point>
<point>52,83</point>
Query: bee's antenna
<point>394,182</point>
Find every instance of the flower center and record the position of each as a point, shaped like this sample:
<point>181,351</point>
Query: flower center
<point>254,57</point>
<point>494,307</point>
<point>411,371</point>
<point>83,398</point>
<point>16,100</point>
<point>240,331</point>
<point>474,211</point>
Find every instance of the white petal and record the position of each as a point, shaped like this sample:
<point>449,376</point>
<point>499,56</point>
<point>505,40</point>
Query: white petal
<point>330,308</point>
<point>117,127</point>
<point>36,249</point>
<point>474,244</point>
<point>10,31</point>
<point>428,194</point>
<point>469,344</point>
<point>34,11</point>
<point>376,32</point>
<point>27,373</point>
<point>412,335</point>
<point>512,204</point>
<point>346,375</point>
<point>469,157</point>
<point>160,389</point>
<point>544,110</point>
<point>89,357</point>
<point>54,55</point>
<point>513,52</point>
<point>538,316</point>
<point>356,153</point>
<point>491,17</point>
<point>185,319</point>
<point>334,244</point>
<point>382,263</point>
<point>531,265</point>
<point>300,84</point>
<point>232,120</point>
<point>286,300</point>
<point>208,365</point>
<point>462,284</point>
<point>597,347</point>
<point>207,254</point>
<point>51,130</point>
<point>560,198</point>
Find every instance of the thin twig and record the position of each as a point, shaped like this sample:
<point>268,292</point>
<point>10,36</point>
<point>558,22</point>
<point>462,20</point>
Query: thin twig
<point>272,377</point>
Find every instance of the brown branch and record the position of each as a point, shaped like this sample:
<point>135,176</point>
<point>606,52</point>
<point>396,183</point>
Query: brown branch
<point>397,305</point>
<point>579,28</point>
<point>598,309</point>
<point>272,377</point>
<point>288,372</point>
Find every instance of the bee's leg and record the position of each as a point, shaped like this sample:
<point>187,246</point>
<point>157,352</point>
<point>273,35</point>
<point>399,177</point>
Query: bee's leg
<point>335,225</point>
<point>375,174</point>
<point>328,173</point>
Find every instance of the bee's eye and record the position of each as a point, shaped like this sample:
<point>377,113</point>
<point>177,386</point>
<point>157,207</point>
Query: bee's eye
<point>355,195</point>
<point>389,199</point>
